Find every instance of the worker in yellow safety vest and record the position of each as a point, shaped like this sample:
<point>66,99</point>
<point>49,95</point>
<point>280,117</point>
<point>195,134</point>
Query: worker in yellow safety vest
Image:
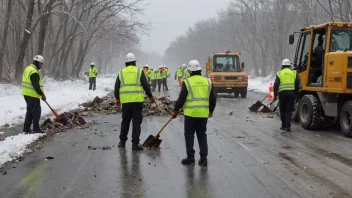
<point>92,74</point>
<point>287,85</point>
<point>32,90</point>
<point>147,72</point>
<point>178,75</point>
<point>165,75</point>
<point>197,98</point>
<point>159,78</point>
<point>185,72</point>
<point>130,86</point>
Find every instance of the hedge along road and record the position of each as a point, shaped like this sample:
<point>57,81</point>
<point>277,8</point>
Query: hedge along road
<point>248,157</point>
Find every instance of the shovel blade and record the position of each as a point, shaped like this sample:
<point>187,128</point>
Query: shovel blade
<point>255,107</point>
<point>149,141</point>
<point>157,143</point>
<point>266,109</point>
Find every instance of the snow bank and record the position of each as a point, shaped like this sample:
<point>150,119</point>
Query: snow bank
<point>260,84</point>
<point>62,96</point>
<point>15,146</point>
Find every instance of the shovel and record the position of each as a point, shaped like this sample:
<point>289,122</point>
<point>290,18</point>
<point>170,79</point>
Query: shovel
<point>54,112</point>
<point>154,141</point>
<point>266,109</point>
<point>255,107</point>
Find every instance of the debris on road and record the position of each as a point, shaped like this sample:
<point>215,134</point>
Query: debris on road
<point>2,136</point>
<point>49,158</point>
<point>231,113</point>
<point>66,120</point>
<point>106,105</point>
<point>102,148</point>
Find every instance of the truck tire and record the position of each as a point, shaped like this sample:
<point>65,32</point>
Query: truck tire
<point>236,94</point>
<point>295,114</point>
<point>310,112</point>
<point>345,119</point>
<point>244,92</point>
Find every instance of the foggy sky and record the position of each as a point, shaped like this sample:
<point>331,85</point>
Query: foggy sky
<point>170,18</point>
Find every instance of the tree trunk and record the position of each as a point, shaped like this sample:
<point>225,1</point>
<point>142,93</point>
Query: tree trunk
<point>4,37</point>
<point>24,41</point>
<point>43,26</point>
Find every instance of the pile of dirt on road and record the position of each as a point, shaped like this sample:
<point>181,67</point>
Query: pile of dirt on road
<point>106,105</point>
<point>66,120</point>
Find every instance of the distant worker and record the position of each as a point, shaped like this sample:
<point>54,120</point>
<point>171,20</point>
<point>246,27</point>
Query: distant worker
<point>32,90</point>
<point>92,76</point>
<point>178,75</point>
<point>159,78</point>
<point>197,98</point>
<point>185,73</point>
<point>154,79</point>
<point>287,85</point>
<point>165,75</point>
<point>147,73</point>
<point>129,91</point>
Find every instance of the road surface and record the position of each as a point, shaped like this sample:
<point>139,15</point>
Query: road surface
<point>249,156</point>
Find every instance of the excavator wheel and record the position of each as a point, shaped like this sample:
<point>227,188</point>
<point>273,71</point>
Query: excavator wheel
<point>345,119</point>
<point>310,112</point>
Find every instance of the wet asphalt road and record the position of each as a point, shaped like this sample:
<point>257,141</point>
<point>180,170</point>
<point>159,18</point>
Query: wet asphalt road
<point>248,157</point>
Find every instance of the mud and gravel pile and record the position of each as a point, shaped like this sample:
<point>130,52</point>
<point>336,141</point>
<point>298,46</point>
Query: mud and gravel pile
<point>66,120</point>
<point>106,105</point>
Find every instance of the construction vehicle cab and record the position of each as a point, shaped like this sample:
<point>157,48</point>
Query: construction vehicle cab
<point>324,61</point>
<point>226,73</point>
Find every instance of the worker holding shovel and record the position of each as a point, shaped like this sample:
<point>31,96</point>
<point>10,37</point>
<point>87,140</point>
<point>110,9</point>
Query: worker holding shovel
<point>130,86</point>
<point>32,90</point>
<point>287,85</point>
<point>197,98</point>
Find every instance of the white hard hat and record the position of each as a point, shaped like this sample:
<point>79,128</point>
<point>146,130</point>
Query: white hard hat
<point>286,62</point>
<point>160,67</point>
<point>183,64</point>
<point>146,65</point>
<point>39,58</point>
<point>92,63</point>
<point>194,66</point>
<point>130,58</point>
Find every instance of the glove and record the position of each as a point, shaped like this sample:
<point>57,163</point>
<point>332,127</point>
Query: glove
<point>152,99</point>
<point>210,115</point>
<point>174,114</point>
<point>117,102</point>
<point>43,97</point>
<point>275,98</point>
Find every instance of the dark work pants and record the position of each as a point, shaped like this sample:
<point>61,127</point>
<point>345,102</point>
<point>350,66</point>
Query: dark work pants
<point>92,81</point>
<point>33,114</point>
<point>131,111</point>
<point>199,126</point>
<point>154,84</point>
<point>165,84</point>
<point>159,84</point>
<point>286,100</point>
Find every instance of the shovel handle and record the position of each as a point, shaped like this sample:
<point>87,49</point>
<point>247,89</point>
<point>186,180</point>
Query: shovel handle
<point>264,99</point>
<point>52,110</point>
<point>157,135</point>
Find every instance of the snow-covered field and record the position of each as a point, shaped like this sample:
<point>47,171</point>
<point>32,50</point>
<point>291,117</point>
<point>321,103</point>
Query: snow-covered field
<point>260,84</point>
<point>62,96</point>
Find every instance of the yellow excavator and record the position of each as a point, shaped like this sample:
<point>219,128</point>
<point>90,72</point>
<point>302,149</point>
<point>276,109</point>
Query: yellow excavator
<point>226,73</point>
<point>323,59</point>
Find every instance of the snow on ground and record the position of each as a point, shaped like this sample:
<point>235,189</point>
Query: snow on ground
<point>62,96</point>
<point>260,84</point>
<point>15,146</point>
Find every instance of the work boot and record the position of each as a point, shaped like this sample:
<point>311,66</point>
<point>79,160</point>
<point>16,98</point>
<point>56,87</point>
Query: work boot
<point>137,147</point>
<point>203,161</point>
<point>27,131</point>
<point>283,127</point>
<point>288,130</point>
<point>38,131</point>
<point>188,161</point>
<point>122,144</point>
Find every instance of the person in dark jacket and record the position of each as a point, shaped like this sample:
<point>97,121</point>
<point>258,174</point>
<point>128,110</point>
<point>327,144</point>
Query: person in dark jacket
<point>32,90</point>
<point>287,85</point>
<point>131,83</point>
<point>197,98</point>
